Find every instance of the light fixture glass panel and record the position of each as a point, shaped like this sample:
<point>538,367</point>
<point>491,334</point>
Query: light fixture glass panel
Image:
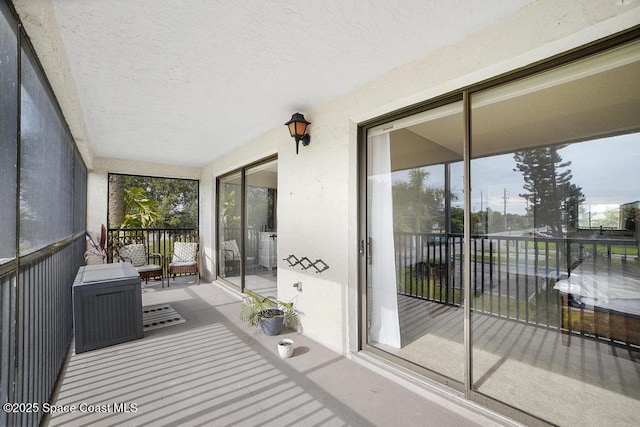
<point>301,127</point>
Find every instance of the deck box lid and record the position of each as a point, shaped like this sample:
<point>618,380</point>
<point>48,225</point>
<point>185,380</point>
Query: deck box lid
<point>98,274</point>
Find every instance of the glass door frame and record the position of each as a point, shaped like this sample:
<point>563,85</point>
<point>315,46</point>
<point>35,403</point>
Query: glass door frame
<point>465,93</point>
<point>364,248</point>
<point>243,214</point>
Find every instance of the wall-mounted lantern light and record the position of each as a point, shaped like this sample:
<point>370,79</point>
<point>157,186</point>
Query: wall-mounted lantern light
<point>298,129</point>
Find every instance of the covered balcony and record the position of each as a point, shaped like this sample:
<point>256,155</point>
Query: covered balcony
<point>422,303</point>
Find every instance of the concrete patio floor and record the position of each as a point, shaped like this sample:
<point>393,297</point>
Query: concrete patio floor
<point>213,370</point>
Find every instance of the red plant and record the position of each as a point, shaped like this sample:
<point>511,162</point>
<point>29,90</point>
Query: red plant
<point>98,249</point>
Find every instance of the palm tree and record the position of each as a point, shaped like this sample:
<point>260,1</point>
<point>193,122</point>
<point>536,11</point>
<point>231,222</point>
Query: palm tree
<point>116,200</point>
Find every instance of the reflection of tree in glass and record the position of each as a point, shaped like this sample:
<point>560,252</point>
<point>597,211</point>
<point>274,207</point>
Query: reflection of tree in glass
<point>260,208</point>
<point>229,209</point>
<point>553,199</point>
<point>418,207</point>
<point>457,221</point>
<point>607,219</point>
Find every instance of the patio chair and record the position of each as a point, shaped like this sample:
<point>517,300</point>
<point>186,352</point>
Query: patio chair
<point>136,254</point>
<point>231,256</point>
<point>184,260</point>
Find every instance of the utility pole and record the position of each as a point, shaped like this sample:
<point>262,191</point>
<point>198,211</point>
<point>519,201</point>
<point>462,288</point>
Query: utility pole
<point>505,197</point>
<point>482,226</point>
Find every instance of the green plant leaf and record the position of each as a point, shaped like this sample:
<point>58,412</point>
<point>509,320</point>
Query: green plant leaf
<point>255,307</point>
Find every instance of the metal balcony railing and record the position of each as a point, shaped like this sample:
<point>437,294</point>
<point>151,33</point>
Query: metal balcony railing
<point>156,240</point>
<point>36,327</point>
<point>511,277</point>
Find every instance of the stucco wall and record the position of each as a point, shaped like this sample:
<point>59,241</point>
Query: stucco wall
<point>318,189</point>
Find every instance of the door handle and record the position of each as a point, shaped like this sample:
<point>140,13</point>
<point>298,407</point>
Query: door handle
<point>365,250</point>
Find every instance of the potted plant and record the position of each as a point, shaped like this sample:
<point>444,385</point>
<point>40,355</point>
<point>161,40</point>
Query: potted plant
<point>99,247</point>
<point>272,315</point>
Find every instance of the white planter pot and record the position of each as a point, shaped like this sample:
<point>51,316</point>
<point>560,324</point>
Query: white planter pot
<point>285,348</point>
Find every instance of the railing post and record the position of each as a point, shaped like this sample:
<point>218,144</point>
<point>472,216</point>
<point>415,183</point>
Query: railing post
<point>490,276</point>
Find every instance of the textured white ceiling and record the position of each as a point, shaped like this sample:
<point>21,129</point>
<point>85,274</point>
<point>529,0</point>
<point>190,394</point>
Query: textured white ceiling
<point>183,82</point>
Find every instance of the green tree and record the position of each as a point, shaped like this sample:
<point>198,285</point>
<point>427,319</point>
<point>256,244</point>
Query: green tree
<point>177,199</point>
<point>547,182</point>
<point>141,211</point>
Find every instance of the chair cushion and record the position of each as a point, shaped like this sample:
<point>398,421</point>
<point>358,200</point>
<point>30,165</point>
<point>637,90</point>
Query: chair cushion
<point>134,253</point>
<point>182,264</point>
<point>148,267</point>
<point>231,250</point>
<point>184,252</point>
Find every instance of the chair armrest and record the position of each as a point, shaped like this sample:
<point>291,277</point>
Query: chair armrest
<point>159,256</point>
<point>233,257</point>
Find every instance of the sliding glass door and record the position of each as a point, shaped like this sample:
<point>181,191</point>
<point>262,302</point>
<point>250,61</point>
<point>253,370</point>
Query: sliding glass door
<point>517,282</point>
<point>248,228</point>
<point>414,241</point>
<point>261,228</point>
<point>229,230</point>
<point>556,189</point>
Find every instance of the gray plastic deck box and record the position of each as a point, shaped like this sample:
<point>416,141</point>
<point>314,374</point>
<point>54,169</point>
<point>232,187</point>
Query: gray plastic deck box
<point>107,306</point>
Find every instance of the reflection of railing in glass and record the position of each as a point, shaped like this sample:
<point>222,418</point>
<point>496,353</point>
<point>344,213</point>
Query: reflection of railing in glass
<point>511,276</point>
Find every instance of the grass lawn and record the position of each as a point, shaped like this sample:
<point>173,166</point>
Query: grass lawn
<point>535,309</point>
